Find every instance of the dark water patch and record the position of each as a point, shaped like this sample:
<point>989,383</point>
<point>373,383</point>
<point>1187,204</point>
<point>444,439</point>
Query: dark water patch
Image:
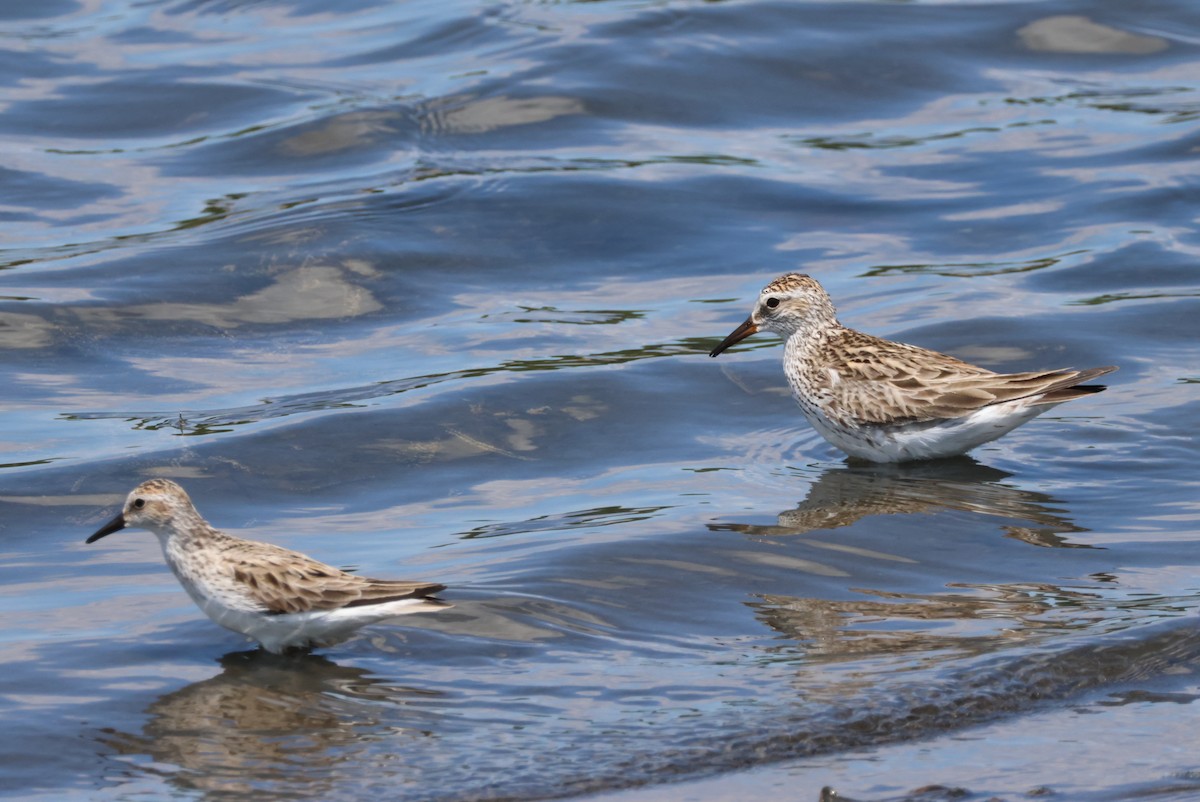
<point>200,422</point>
<point>51,9</point>
<point>136,108</point>
<point>436,39</point>
<point>600,516</point>
<point>1058,262</point>
<point>1144,263</point>
<point>290,8</point>
<point>47,192</point>
<point>29,463</point>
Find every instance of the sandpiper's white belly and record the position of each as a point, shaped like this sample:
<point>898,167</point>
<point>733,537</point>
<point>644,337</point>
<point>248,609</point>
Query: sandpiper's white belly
<point>278,632</point>
<point>929,440</point>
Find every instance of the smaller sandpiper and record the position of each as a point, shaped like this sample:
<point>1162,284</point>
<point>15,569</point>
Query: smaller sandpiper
<point>280,598</point>
<point>886,401</point>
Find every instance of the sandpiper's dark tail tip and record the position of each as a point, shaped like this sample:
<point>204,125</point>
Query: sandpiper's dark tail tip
<point>1074,388</point>
<point>1091,373</point>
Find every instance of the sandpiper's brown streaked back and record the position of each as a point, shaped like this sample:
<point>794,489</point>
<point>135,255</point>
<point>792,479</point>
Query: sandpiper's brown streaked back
<point>886,401</point>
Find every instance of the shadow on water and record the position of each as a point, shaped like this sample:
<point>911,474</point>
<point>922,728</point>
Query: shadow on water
<point>284,722</point>
<point>901,629</point>
<point>976,691</point>
<point>844,495</point>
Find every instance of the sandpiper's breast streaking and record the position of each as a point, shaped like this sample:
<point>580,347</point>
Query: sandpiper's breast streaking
<point>885,401</point>
<point>278,597</point>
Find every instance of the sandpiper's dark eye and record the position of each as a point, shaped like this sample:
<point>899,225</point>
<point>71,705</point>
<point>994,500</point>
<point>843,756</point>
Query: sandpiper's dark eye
<point>138,503</point>
<point>772,303</point>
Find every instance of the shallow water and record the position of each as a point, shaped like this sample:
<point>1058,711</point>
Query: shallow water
<point>427,290</point>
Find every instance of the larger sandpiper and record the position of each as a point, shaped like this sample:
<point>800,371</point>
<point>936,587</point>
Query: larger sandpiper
<point>886,401</point>
<point>280,598</point>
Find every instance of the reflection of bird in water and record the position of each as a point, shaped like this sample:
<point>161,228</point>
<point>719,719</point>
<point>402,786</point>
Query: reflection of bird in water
<point>277,596</point>
<point>886,401</point>
<point>975,620</point>
<point>845,494</point>
<point>283,720</point>
<point>885,623</point>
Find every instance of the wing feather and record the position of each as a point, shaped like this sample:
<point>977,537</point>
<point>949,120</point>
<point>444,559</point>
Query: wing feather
<point>283,581</point>
<point>882,382</point>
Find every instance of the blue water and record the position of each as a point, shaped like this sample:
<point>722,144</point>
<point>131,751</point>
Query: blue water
<point>427,289</point>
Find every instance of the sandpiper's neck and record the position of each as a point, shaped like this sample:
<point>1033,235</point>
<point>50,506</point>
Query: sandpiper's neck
<point>810,333</point>
<point>187,531</point>
<point>184,546</point>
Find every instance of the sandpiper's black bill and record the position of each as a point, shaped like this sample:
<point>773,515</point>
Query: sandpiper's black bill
<point>740,333</point>
<point>115,525</point>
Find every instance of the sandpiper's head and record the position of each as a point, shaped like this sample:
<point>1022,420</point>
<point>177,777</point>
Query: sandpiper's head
<point>788,304</point>
<point>154,504</point>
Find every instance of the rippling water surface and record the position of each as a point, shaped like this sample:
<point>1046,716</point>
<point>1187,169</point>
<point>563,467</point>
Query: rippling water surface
<point>426,289</point>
